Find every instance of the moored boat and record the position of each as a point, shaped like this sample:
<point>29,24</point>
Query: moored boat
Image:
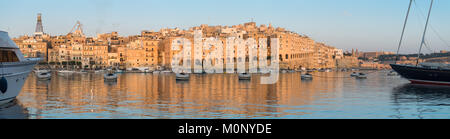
<point>354,74</point>
<point>361,76</point>
<point>65,73</point>
<point>182,76</point>
<point>306,76</point>
<point>110,76</point>
<point>14,68</point>
<point>44,76</point>
<point>424,74</point>
<point>244,76</point>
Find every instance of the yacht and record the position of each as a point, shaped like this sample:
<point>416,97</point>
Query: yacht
<point>422,73</point>
<point>14,68</point>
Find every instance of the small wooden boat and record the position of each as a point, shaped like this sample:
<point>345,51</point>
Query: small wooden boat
<point>306,76</point>
<point>110,76</point>
<point>42,71</point>
<point>354,74</point>
<point>166,71</point>
<point>65,72</point>
<point>244,76</point>
<point>98,71</point>
<point>82,72</point>
<point>44,75</point>
<point>361,76</point>
<point>182,76</point>
<point>119,71</point>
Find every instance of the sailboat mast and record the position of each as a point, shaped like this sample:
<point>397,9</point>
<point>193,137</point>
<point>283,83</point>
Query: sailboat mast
<point>424,33</point>
<point>403,31</point>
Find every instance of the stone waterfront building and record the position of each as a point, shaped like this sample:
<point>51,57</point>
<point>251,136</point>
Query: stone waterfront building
<point>154,49</point>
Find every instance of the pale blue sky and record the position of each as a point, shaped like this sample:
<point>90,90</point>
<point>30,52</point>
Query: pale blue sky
<point>370,25</point>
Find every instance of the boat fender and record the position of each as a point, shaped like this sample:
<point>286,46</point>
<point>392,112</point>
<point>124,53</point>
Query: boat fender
<point>3,85</point>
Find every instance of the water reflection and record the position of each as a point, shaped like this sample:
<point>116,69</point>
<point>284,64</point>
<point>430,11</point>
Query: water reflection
<point>224,96</point>
<point>161,96</point>
<point>432,95</point>
<point>13,110</point>
<point>421,101</point>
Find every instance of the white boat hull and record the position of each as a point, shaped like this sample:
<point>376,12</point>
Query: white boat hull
<point>65,73</point>
<point>15,75</point>
<point>182,77</point>
<point>110,77</point>
<point>306,77</point>
<point>244,76</point>
<point>47,76</point>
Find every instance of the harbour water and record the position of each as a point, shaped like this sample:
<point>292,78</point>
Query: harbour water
<point>331,95</point>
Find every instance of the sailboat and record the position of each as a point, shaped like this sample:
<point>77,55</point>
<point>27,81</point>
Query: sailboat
<point>14,68</point>
<point>423,73</point>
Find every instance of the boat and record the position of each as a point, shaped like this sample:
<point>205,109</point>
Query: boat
<point>354,74</point>
<point>82,72</point>
<point>422,73</point>
<point>98,71</point>
<point>182,76</point>
<point>166,71</point>
<point>14,68</point>
<point>44,75</point>
<point>147,71</point>
<point>244,76</point>
<point>65,72</point>
<point>42,71</point>
<point>120,71</point>
<point>361,76</point>
<point>139,70</point>
<point>110,76</point>
<point>306,76</point>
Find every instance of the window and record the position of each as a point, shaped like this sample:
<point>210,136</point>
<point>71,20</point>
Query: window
<point>8,56</point>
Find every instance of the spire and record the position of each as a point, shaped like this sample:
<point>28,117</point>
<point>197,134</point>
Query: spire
<point>39,28</point>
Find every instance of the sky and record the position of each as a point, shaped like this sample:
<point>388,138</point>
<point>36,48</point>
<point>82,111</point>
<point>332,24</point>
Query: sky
<point>369,25</point>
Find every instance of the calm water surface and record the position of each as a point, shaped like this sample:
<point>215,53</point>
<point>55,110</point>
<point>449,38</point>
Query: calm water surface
<point>223,96</point>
